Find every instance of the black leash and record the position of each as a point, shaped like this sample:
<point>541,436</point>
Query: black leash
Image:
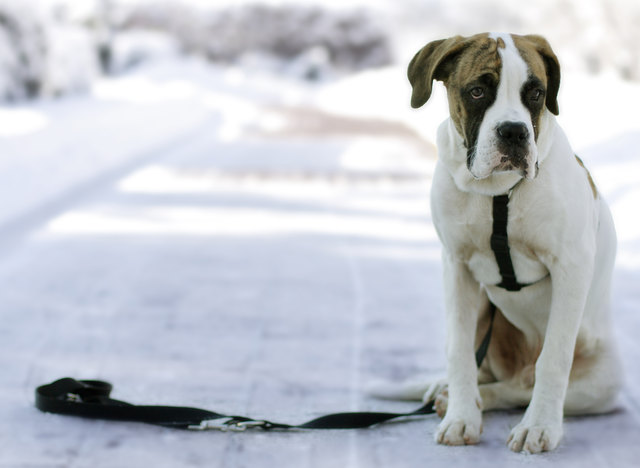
<point>91,398</point>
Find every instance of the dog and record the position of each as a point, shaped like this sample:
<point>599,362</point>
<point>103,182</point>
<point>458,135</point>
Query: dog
<point>551,349</point>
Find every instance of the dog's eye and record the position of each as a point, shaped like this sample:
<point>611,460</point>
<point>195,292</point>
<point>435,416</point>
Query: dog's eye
<point>477,92</point>
<point>536,94</point>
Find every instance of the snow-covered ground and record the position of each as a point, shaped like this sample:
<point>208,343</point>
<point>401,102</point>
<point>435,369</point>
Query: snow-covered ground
<point>203,236</point>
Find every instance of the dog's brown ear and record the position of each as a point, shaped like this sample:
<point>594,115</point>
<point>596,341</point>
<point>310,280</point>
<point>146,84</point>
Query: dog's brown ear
<point>433,61</point>
<point>552,66</point>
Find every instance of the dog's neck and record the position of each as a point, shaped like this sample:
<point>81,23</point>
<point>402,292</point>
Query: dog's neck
<point>453,154</point>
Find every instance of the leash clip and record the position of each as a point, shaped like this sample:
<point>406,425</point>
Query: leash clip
<point>73,398</point>
<point>244,425</point>
<point>209,425</point>
<point>230,425</point>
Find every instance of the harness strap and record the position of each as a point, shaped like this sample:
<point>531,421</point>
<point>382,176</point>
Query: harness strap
<point>91,399</point>
<point>500,244</point>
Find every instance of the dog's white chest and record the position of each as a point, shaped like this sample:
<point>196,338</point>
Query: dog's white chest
<point>464,222</point>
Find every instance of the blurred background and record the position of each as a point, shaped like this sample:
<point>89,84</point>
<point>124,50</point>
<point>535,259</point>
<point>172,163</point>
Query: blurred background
<point>56,47</point>
<point>226,204</point>
<point>115,76</point>
<point>88,86</point>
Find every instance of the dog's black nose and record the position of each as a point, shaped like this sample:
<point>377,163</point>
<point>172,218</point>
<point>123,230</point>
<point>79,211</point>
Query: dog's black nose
<point>513,133</point>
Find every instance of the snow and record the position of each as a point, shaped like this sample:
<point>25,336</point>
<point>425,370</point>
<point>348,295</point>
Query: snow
<point>132,48</point>
<point>22,56</point>
<point>251,270</point>
<point>320,40</point>
<point>228,238</point>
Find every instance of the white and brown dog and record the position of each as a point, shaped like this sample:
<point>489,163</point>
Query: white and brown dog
<point>551,347</point>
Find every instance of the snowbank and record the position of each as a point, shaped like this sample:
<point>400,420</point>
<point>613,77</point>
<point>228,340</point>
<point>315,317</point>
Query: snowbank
<point>132,48</point>
<point>22,51</point>
<point>314,36</point>
<point>39,57</point>
<point>54,47</point>
<point>69,72</point>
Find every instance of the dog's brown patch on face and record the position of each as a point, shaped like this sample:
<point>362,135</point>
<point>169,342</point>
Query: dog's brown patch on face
<point>532,57</point>
<point>501,44</point>
<point>536,83</point>
<point>544,69</point>
<point>591,182</point>
<point>478,66</point>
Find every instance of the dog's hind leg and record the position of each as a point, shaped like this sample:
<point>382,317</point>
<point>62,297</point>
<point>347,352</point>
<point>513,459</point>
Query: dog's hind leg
<point>593,386</point>
<point>504,395</point>
<point>494,396</point>
<point>594,382</point>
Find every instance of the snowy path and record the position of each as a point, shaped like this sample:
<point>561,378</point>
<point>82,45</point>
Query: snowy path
<point>258,277</point>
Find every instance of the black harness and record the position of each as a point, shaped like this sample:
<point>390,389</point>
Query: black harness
<point>500,243</point>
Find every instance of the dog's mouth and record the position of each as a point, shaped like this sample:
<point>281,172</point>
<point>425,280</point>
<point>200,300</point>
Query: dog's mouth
<point>518,162</point>
<point>521,162</point>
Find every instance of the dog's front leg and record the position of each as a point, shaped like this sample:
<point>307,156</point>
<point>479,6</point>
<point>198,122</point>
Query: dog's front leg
<point>541,427</point>
<point>464,298</point>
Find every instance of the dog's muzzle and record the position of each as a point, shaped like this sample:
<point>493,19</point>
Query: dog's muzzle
<point>513,144</point>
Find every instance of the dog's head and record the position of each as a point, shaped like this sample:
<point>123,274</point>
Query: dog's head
<point>498,87</point>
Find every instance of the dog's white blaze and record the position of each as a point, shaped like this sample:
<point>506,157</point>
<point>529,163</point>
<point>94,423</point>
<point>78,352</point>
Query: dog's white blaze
<point>508,107</point>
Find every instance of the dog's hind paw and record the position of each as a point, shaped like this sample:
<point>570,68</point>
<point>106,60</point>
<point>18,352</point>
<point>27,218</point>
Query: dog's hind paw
<point>441,403</point>
<point>434,390</point>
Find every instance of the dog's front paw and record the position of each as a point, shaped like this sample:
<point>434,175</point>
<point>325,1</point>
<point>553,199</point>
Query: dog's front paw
<point>459,430</point>
<point>535,438</point>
